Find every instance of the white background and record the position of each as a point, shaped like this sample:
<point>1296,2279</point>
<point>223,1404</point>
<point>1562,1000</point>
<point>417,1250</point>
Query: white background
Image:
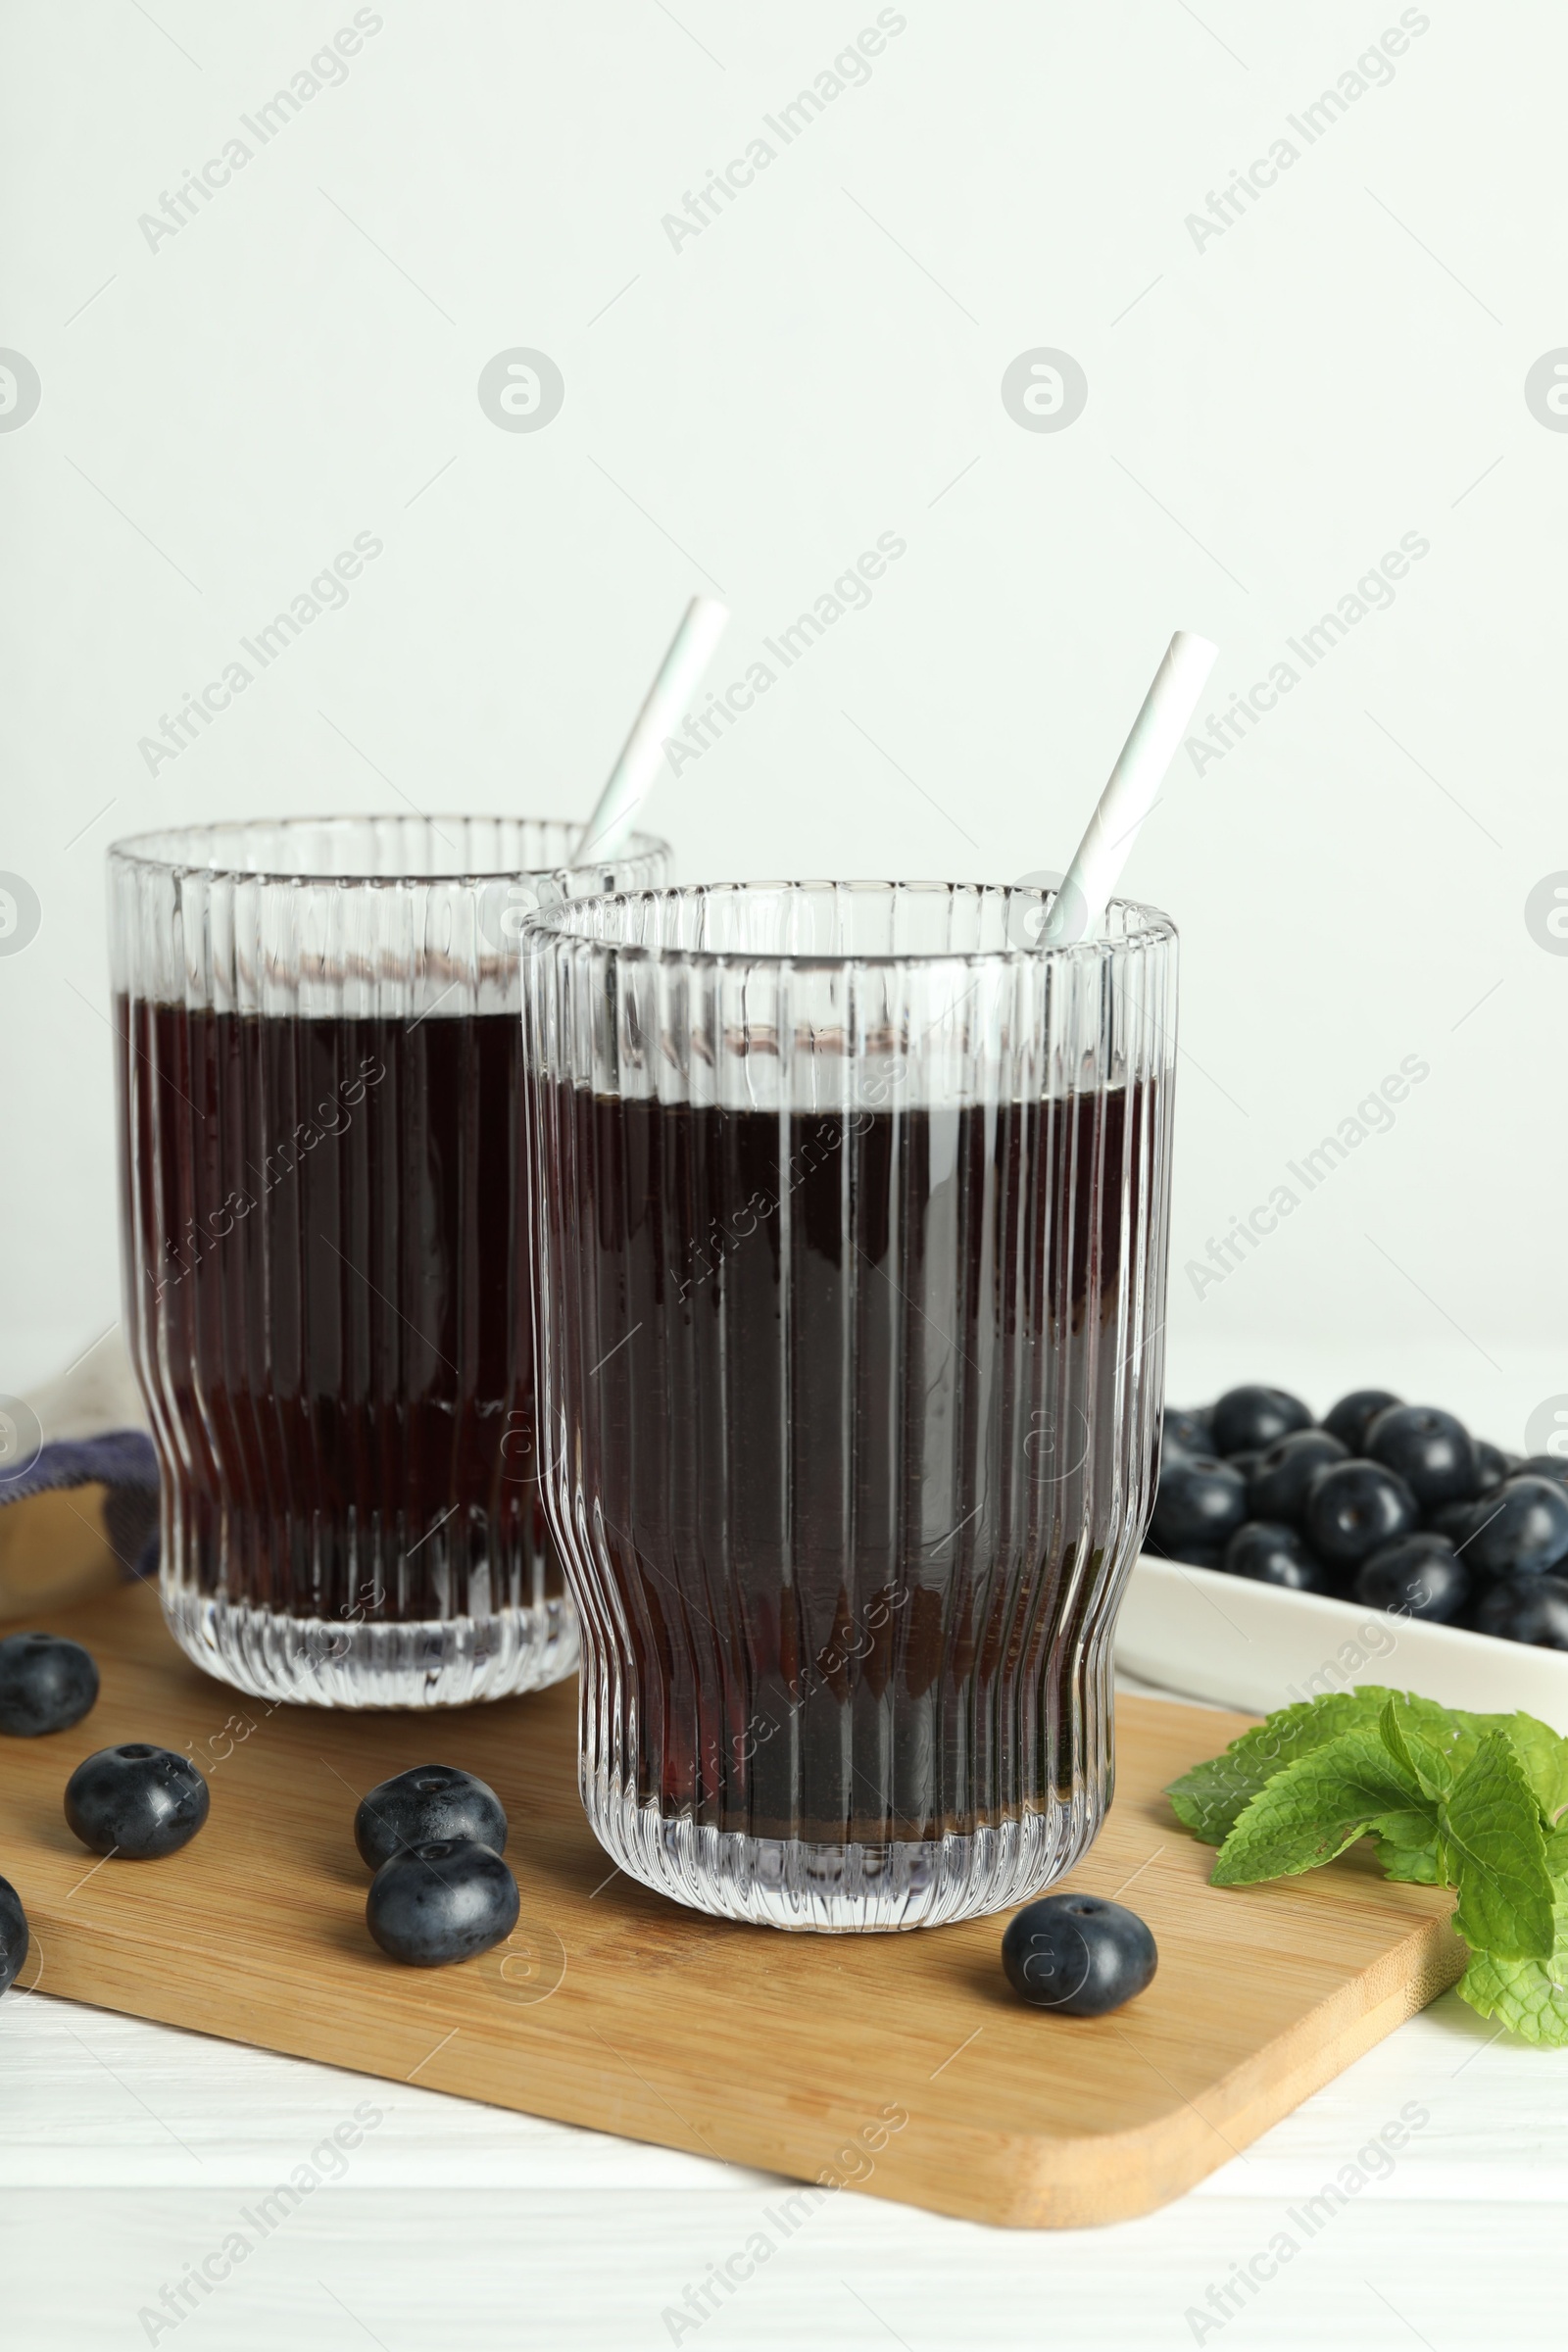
<point>1341,367</point>
<point>1266,417</point>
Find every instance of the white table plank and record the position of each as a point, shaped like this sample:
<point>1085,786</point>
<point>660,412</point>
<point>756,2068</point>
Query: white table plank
<point>457,2225</point>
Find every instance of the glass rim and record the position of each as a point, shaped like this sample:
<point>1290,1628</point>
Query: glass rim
<point>141,849</point>
<point>566,924</point>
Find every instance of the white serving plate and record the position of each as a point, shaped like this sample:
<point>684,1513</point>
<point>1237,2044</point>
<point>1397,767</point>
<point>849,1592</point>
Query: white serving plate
<point>1259,1647</point>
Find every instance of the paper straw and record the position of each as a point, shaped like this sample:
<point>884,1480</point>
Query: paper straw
<point>1129,794</point>
<point>662,715</point>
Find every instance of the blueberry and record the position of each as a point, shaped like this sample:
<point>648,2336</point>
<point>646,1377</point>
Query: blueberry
<point>1183,1434</point>
<point>432,1802</point>
<point>1078,1954</point>
<point>46,1683</point>
<point>1430,1450</point>
<point>13,1935</point>
<point>1527,1608</point>
<point>1276,1488</point>
<point>1538,1465</point>
<point>1493,1466</point>
<point>1274,1554</point>
<point>445,1900</point>
<point>1454,1521</point>
<point>1245,1419</point>
<point>137,1802</point>
<point>1418,1576</point>
<point>1191,1555</point>
<point>1521,1527</point>
<point>1199,1502</point>
<point>1352,1507</point>
<point>1353,1415</point>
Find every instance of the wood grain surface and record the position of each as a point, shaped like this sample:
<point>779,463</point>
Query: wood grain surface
<point>898,2065</point>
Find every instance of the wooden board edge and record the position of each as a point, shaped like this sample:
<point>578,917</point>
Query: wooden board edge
<point>1079,2184</point>
<point>1007,2180</point>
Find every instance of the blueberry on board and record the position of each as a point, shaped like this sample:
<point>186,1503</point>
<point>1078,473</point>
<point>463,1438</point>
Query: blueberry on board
<point>1526,1608</point>
<point>1249,1419</point>
<point>1351,1419</point>
<point>1271,1554</point>
<point>1538,1465</point>
<point>1199,1502</point>
<point>46,1683</point>
<point>1520,1528</point>
<point>137,1802</point>
<point>433,1803</point>
<point>1078,1954</point>
<point>1185,1434</point>
<point>1430,1450</point>
<point>1276,1487</point>
<point>12,1935</point>
<point>1493,1466</point>
<point>1417,1575</point>
<point>449,1900</point>
<point>1352,1508</point>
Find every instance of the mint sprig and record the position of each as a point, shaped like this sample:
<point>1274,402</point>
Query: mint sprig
<point>1453,1799</point>
<point>1529,1995</point>
<point>1320,1804</point>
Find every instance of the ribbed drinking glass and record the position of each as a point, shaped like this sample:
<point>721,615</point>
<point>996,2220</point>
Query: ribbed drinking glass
<point>326,1277</point>
<point>850,1224</point>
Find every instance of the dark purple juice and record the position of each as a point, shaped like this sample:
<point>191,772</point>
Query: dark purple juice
<point>331,1306</point>
<point>837,1391</point>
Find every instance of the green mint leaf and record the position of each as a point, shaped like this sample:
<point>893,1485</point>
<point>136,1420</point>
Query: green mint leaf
<point>1321,1803</point>
<point>1557,1853</point>
<point>1542,1752</point>
<point>1423,1747</point>
<point>1212,1798</point>
<point>1407,1851</point>
<point>1529,1995</point>
<point>1492,1848</point>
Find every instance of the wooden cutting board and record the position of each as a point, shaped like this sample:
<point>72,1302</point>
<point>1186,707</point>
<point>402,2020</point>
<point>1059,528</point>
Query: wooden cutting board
<point>899,2065</point>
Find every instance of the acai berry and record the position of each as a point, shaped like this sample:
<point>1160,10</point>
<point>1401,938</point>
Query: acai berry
<point>448,1900</point>
<point>1527,1608</point>
<point>1493,1466</point>
<point>1418,1576</point>
<point>432,1803</point>
<point>1276,1488</point>
<point>1538,1465</point>
<point>1353,1415</point>
<point>1454,1521</point>
<point>1353,1508</point>
<point>13,1935</point>
<point>1521,1527</point>
<point>137,1802</point>
<point>1271,1554</point>
<point>1185,1434</point>
<point>1429,1450</point>
<point>1199,1502</point>
<point>46,1683</point>
<point>1078,1954</point>
<point>1249,1419</point>
<point>1385,1504</point>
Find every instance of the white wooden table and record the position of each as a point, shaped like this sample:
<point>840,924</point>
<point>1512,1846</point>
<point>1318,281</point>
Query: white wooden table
<point>130,2153</point>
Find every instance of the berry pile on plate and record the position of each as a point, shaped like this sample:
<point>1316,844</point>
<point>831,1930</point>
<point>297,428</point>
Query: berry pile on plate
<point>1392,1506</point>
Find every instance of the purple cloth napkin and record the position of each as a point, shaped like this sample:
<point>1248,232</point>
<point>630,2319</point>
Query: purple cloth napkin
<point>123,1461</point>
